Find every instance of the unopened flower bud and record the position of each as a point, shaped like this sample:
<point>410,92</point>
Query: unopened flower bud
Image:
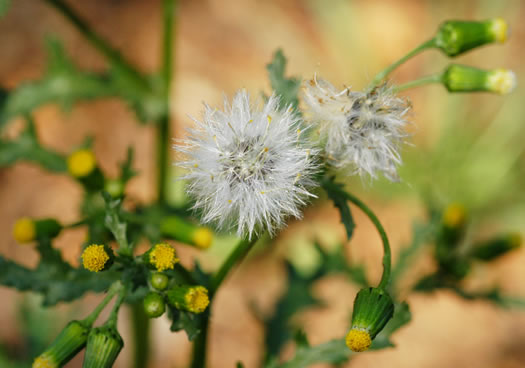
<point>114,187</point>
<point>180,230</point>
<point>159,281</point>
<point>82,166</point>
<point>103,346</point>
<point>373,308</point>
<point>67,344</point>
<point>456,37</point>
<point>97,257</point>
<point>189,298</point>
<point>496,247</point>
<point>154,305</point>
<point>27,230</point>
<point>462,78</point>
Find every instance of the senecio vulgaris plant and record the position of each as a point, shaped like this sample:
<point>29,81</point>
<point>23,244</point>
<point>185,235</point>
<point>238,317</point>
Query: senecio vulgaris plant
<point>249,167</point>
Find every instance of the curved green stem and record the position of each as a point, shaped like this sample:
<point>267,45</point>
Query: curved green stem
<point>113,316</point>
<point>328,184</point>
<point>235,257</point>
<point>389,69</point>
<point>429,79</point>
<point>101,45</point>
<point>114,289</point>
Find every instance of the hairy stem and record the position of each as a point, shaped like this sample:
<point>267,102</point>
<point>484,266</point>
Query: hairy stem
<point>389,69</point>
<point>328,184</point>
<point>235,257</point>
<point>116,59</point>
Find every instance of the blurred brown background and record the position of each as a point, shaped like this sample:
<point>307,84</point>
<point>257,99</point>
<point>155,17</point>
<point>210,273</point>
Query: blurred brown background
<point>223,45</point>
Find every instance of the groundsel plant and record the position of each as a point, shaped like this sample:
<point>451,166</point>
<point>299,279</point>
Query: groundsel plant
<point>249,167</point>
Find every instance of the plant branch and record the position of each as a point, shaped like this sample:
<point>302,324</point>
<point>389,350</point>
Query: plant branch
<point>429,79</point>
<point>101,45</point>
<point>389,69</point>
<point>329,185</point>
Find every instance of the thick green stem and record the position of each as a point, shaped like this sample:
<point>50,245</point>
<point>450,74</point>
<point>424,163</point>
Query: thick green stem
<point>385,72</point>
<point>163,125</point>
<point>101,45</point>
<point>328,184</point>
<point>141,335</point>
<point>235,257</point>
<point>429,79</point>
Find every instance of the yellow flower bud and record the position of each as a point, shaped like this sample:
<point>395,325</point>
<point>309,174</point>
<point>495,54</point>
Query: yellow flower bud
<point>81,163</point>
<point>97,258</point>
<point>24,230</point>
<point>162,256</point>
<point>203,237</point>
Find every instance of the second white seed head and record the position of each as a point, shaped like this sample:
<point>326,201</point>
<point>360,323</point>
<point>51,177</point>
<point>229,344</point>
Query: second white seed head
<point>360,132</point>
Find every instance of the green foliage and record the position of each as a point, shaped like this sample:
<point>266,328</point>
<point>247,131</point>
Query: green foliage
<point>185,321</point>
<point>4,7</point>
<point>287,88</point>
<point>336,194</point>
<point>62,83</point>
<point>27,148</point>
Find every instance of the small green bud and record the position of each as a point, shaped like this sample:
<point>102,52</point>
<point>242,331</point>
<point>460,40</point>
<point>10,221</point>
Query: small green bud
<point>189,298</point>
<point>159,281</point>
<point>496,247</point>
<point>114,187</point>
<point>452,229</point>
<point>462,78</point>
<point>185,232</point>
<point>154,305</point>
<point>103,346</point>
<point>456,37</point>
<point>373,308</point>
<point>66,345</point>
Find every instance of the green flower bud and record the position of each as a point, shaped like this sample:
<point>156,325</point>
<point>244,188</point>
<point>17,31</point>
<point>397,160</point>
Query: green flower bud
<point>461,78</point>
<point>154,305</point>
<point>180,230</point>
<point>103,346</point>
<point>373,308</point>
<point>114,187</point>
<point>27,230</point>
<point>159,281</point>
<point>189,298</point>
<point>496,247</point>
<point>66,345</point>
<point>453,225</point>
<point>456,37</point>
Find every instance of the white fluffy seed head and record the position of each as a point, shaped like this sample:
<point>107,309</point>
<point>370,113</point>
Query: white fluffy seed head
<point>247,167</point>
<point>360,132</point>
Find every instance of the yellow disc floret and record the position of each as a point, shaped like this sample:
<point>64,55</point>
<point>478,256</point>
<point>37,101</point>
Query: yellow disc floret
<point>81,163</point>
<point>163,257</point>
<point>454,215</point>
<point>502,81</point>
<point>24,230</point>
<point>94,258</point>
<point>44,361</point>
<point>358,340</point>
<point>196,299</point>
<point>203,237</point>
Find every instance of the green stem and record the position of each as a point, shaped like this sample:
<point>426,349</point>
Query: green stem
<point>235,257</point>
<point>429,79</point>
<point>89,320</point>
<point>113,316</point>
<point>389,69</point>
<point>141,335</point>
<point>163,128</point>
<point>328,184</point>
<point>101,45</point>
